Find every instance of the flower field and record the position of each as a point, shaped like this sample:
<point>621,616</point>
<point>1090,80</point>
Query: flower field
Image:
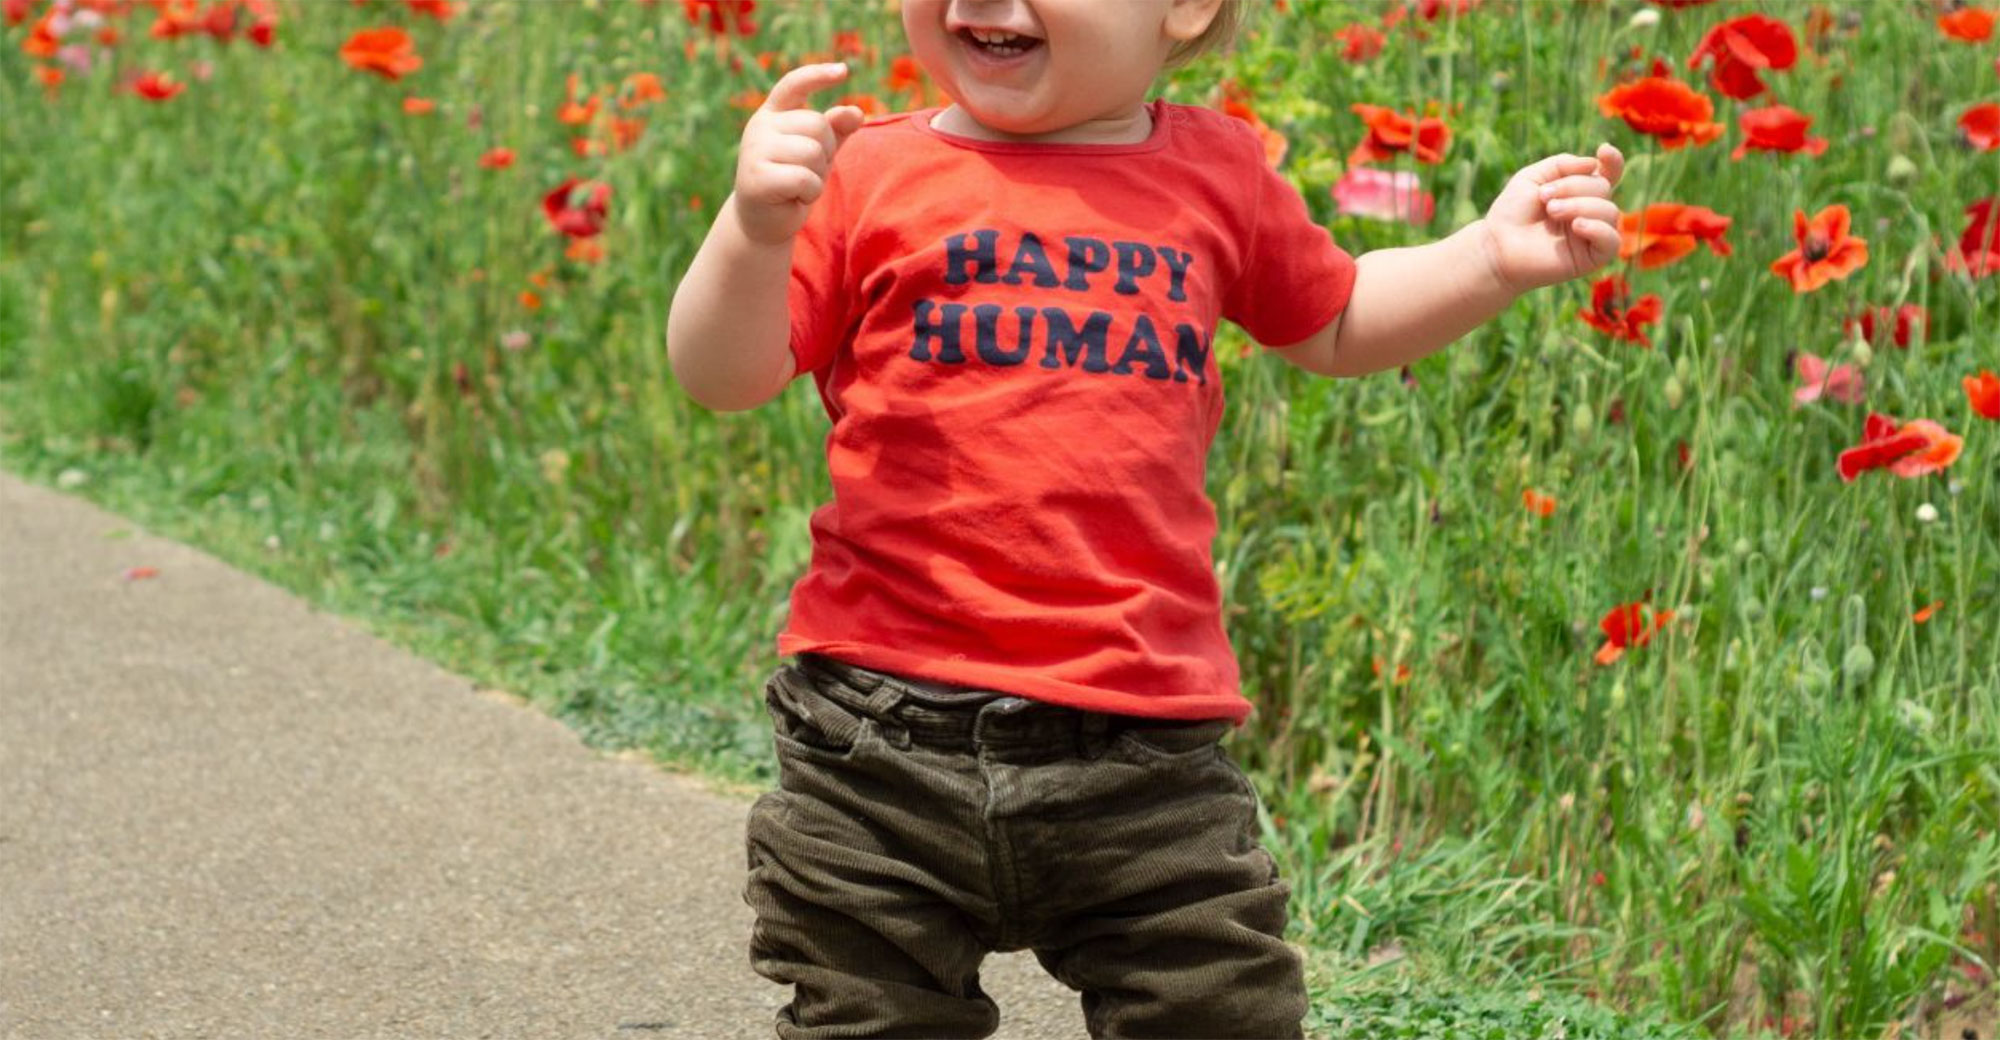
<point>1641,650</point>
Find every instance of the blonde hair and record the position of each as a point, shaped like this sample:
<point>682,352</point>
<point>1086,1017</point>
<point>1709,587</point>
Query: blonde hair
<point>1221,32</point>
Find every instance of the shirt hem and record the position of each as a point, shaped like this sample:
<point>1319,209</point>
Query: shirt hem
<point>1029,686</point>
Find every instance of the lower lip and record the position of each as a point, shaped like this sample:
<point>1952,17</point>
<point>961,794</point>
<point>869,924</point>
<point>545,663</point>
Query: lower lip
<point>982,58</point>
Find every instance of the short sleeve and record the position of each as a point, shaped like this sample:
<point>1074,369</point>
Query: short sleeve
<point>1294,280</point>
<point>818,296</point>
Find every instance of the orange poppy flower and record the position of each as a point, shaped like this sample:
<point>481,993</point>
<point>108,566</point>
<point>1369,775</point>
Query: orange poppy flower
<point>1739,48</point>
<point>1613,313</point>
<point>1904,320</point>
<point>419,106</point>
<point>1667,231</point>
<point>42,41</point>
<point>386,52</point>
<point>1664,108</point>
<point>1979,127</point>
<point>1978,252</point>
<point>1970,24</point>
<point>49,76</point>
<point>1777,128</point>
<point>624,133</point>
<point>1909,449</point>
<point>1626,627</point>
<point>1982,392</point>
<point>1402,671</point>
<point>585,250</point>
<point>905,76</point>
<point>1826,251</point>
<point>497,158</point>
<point>1925,613</point>
<point>1359,41</point>
<point>529,301</point>
<point>572,113</point>
<point>1234,101</point>
<point>642,88</point>
<point>1390,132</point>
<point>1537,503</point>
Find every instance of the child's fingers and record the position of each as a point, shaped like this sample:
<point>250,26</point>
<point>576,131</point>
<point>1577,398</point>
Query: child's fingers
<point>1610,163</point>
<point>1586,208</point>
<point>1602,237</point>
<point>1577,186</point>
<point>795,88</point>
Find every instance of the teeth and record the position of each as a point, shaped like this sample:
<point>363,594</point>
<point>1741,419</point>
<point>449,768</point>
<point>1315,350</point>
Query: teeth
<point>991,36</point>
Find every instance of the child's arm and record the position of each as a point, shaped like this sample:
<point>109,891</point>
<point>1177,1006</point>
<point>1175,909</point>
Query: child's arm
<point>728,333</point>
<point>1554,221</point>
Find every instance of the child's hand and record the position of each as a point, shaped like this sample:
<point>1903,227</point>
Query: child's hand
<point>787,147</point>
<point>1555,220</point>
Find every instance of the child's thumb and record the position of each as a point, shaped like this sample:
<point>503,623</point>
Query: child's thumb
<point>844,119</point>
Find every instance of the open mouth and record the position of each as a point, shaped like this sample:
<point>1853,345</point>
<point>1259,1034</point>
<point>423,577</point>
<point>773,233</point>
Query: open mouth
<point>998,43</point>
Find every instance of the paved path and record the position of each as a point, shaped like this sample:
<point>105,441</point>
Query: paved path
<point>225,814</point>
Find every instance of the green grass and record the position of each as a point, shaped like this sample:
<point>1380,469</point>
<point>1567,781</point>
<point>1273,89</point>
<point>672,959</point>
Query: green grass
<point>281,319</point>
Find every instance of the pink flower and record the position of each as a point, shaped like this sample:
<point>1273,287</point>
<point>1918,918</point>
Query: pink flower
<point>1843,383</point>
<point>1365,191</point>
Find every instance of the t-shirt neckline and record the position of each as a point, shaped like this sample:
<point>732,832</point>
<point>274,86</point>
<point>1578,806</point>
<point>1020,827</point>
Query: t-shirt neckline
<point>1162,130</point>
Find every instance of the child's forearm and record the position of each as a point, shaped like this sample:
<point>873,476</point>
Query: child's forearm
<point>1414,301</point>
<point>728,331</point>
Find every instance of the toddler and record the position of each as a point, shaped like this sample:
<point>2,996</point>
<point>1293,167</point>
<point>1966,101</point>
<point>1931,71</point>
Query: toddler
<point>999,728</point>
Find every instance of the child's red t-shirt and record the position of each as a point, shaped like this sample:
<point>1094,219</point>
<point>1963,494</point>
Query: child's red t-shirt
<point>1015,345</point>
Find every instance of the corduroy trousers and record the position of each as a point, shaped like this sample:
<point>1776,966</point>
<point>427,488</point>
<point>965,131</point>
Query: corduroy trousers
<point>917,828</point>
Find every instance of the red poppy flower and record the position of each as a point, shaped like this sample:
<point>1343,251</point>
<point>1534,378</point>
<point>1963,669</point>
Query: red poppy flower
<point>497,158</point>
<point>156,86</point>
<point>1739,48</point>
<point>1909,449</point>
<point>572,113</point>
<point>1980,126</point>
<point>1983,393</point>
<point>724,16</point>
<point>1234,101</point>
<point>419,106</point>
<point>1390,132</point>
<point>1903,320</point>
<point>42,41</point>
<point>1826,251</point>
<point>1359,41</point>
<point>1777,128</point>
<point>1665,108</point>
<point>1626,627</point>
<point>1667,231</point>
<point>386,52</point>
<point>577,207</point>
<point>1537,503</point>
<point>16,11</point>
<point>1970,24</point>
<point>442,10</point>
<point>1978,253</point>
<point>1613,313</point>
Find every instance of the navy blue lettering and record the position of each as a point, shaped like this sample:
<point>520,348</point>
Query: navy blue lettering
<point>1063,336</point>
<point>1085,256</point>
<point>986,334</point>
<point>1177,266</point>
<point>982,259</point>
<point>1143,346</point>
<point>1135,261</point>
<point>945,332</point>
<point>1190,346</point>
<point>1030,257</point>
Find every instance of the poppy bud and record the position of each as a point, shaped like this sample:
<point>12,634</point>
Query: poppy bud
<point>1858,665</point>
<point>1673,393</point>
<point>1684,369</point>
<point>1863,353</point>
<point>1752,609</point>
<point>1581,422</point>
<point>1902,172</point>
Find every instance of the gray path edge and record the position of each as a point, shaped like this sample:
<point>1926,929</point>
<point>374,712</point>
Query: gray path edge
<point>225,813</point>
